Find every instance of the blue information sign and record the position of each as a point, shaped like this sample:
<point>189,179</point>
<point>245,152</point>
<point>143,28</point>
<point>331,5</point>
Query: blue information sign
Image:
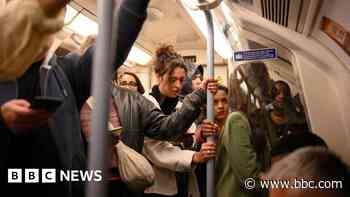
<point>258,54</point>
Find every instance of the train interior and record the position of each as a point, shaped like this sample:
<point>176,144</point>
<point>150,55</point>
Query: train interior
<point>312,39</point>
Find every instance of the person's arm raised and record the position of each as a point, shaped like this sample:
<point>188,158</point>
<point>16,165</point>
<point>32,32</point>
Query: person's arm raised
<point>132,15</point>
<point>163,127</point>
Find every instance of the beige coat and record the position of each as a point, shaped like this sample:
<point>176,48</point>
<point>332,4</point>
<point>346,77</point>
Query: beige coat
<point>167,159</point>
<point>25,33</point>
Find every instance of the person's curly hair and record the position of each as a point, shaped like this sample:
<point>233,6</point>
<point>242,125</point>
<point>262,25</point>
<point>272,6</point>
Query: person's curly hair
<point>167,59</point>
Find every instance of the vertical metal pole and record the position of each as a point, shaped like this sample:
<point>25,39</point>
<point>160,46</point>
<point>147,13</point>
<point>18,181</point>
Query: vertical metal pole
<point>102,69</point>
<point>210,100</point>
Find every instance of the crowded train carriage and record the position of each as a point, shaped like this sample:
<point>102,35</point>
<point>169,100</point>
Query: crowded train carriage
<point>175,98</point>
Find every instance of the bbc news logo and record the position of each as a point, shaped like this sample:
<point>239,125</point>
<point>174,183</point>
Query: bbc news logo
<point>52,175</point>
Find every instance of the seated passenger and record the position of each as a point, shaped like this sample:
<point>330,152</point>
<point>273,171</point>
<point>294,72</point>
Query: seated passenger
<point>318,165</point>
<point>237,157</point>
<point>166,157</point>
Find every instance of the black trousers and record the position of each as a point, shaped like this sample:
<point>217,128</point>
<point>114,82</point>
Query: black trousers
<point>119,189</point>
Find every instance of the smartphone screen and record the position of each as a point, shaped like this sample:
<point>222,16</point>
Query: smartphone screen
<point>48,103</point>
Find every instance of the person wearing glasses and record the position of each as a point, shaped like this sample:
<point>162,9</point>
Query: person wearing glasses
<point>130,81</point>
<point>173,166</point>
<point>140,117</point>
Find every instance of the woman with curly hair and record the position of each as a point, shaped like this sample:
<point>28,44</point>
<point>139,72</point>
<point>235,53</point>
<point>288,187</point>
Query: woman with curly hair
<point>167,158</point>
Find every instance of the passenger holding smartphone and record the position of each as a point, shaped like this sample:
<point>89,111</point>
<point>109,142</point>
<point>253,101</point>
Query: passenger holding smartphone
<point>18,115</point>
<point>52,140</point>
<point>15,17</point>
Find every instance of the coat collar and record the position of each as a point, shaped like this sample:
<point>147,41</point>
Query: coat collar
<point>167,104</point>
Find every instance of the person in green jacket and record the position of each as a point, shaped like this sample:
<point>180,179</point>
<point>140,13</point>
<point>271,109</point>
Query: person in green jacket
<point>237,159</point>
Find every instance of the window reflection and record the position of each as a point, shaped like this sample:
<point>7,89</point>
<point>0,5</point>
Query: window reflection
<point>244,87</point>
<point>273,102</point>
<point>239,76</point>
<point>252,99</point>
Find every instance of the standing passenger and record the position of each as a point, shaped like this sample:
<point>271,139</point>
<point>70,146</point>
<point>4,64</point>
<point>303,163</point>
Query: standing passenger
<point>39,139</point>
<point>193,80</point>
<point>26,28</point>
<point>130,81</point>
<point>282,113</point>
<point>166,157</point>
<point>237,158</point>
<point>138,117</point>
<point>221,111</point>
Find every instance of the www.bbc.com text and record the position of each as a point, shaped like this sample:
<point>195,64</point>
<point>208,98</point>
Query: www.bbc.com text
<point>251,183</point>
